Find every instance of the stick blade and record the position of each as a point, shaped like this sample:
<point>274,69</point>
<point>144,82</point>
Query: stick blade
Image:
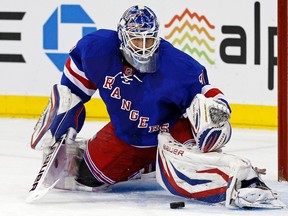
<point>48,175</point>
<point>39,193</point>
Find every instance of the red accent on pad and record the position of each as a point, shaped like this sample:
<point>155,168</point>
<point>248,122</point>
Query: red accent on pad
<point>44,130</point>
<point>210,143</point>
<point>219,172</point>
<point>76,117</point>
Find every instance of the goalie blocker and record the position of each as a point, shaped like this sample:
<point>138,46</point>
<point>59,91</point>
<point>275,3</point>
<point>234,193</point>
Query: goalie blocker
<point>64,110</point>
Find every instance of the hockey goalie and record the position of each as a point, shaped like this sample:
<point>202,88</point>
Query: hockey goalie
<point>196,169</point>
<point>163,112</point>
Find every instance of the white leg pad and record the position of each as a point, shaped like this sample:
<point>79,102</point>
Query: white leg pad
<point>211,177</point>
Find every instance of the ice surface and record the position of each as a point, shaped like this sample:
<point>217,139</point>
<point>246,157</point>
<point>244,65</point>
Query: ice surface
<point>19,166</point>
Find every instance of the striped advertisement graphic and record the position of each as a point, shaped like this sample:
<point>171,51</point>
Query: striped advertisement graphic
<point>192,34</point>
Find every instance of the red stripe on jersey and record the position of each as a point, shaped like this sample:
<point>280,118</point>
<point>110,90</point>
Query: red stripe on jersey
<point>212,92</point>
<point>85,82</point>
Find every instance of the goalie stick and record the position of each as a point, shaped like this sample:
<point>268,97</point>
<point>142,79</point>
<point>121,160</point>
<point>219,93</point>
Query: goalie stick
<point>39,187</point>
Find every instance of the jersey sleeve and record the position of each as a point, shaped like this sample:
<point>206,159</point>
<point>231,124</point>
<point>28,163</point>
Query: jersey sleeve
<point>202,86</point>
<point>211,91</point>
<point>75,78</point>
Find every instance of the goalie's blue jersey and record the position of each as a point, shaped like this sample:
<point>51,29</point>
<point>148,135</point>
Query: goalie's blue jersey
<point>139,104</point>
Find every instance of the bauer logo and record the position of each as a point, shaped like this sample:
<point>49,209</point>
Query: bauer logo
<point>192,34</point>
<point>64,21</point>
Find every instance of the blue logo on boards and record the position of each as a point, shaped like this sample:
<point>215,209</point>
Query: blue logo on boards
<point>64,14</point>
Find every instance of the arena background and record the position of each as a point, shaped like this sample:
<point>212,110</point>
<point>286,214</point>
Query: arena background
<point>235,40</point>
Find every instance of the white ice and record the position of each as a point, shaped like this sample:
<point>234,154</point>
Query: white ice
<point>19,165</point>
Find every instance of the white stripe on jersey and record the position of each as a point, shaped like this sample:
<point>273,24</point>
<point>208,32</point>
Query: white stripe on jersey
<point>101,177</point>
<point>76,81</point>
<point>206,88</point>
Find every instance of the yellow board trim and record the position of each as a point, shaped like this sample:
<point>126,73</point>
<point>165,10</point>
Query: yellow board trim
<point>243,116</point>
<point>254,116</point>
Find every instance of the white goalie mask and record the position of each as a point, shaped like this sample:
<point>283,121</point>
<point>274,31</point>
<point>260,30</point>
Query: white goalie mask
<point>138,34</point>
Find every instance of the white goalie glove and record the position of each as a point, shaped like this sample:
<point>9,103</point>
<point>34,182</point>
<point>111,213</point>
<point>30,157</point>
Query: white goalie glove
<point>210,125</point>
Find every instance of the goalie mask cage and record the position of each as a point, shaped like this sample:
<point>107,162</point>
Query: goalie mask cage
<point>282,91</point>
